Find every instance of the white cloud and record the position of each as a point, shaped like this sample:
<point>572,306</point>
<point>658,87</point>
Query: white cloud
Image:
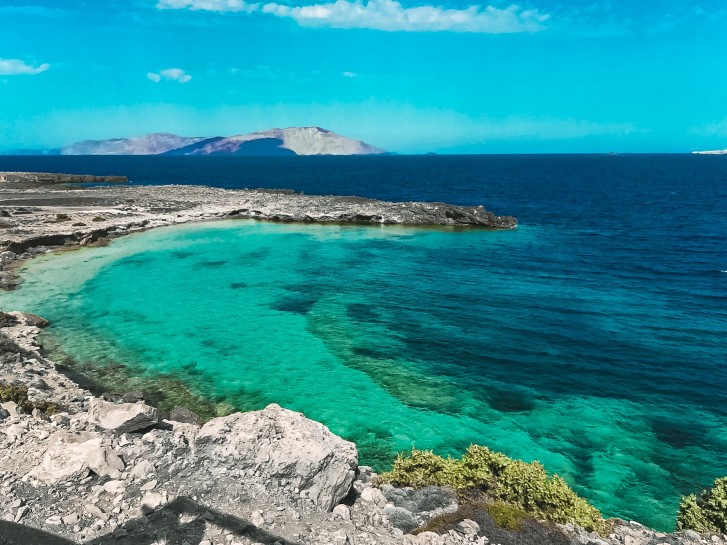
<point>208,5</point>
<point>16,67</point>
<point>170,74</point>
<point>349,74</point>
<point>391,15</point>
<point>388,15</point>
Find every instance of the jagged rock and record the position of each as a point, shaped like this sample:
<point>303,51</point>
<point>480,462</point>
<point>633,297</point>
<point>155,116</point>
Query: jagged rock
<point>12,408</point>
<point>73,454</point>
<point>127,397</point>
<point>35,320</point>
<point>343,512</point>
<point>4,413</point>
<point>123,417</point>
<point>278,443</point>
<point>7,320</point>
<point>373,495</point>
<point>469,527</point>
<point>185,416</point>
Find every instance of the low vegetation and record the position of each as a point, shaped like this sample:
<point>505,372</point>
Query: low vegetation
<point>481,473</point>
<point>19,394</point>
<point>706,512</point>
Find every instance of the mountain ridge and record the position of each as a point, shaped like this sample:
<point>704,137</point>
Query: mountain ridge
<point>270,142</point>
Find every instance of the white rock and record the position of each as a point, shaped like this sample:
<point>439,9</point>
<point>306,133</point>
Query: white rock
<point>374,495</point>
<point>343,512</point>
<point>142,469</point>
<point>469,527</point>
<point>256,519</point>
<point>72,454</point>
<point>149,486</point>
<point>281,444</point>
<point>152,500</point>
<point>121,417</point>
<point>114,487</point>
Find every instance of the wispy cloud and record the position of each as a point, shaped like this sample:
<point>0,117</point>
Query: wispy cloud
<point>386,15</point>
<point>391,15</point>
<point>349,75</point>
<point>208,5</point>
<point>169,74</point>
<point>16,67</point>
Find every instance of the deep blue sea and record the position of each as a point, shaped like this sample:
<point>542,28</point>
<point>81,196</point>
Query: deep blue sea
<point>592,338</point>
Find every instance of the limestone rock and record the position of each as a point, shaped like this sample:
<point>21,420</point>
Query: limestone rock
<point>278,443</point>
<point>73,454</point>
<point>122,417</point>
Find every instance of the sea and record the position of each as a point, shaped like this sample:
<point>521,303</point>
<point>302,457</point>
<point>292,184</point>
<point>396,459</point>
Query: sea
<point>592,338</point>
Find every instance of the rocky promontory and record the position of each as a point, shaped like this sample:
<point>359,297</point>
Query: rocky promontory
<point>37,213</point>
<point>55,178</point>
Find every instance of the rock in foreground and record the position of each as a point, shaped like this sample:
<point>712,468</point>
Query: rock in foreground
<point>282,444</point>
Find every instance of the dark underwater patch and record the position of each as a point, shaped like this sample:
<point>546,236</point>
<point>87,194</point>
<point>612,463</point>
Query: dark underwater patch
<point>213,264</point>
<point>238,285</point>
<point>678,434</point>
<point>297,304</point>
<point>510,401</point>
<point>181,255</point>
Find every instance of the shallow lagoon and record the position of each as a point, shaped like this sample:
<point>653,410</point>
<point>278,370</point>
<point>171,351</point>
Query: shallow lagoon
<point>397,337</point>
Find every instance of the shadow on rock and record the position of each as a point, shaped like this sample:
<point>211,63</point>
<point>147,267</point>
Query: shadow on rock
<point>180,521</point>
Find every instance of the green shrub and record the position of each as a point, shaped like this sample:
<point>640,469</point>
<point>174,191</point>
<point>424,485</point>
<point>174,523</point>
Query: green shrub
<point>706,512</point>
<point>19,394</point>
<point>526,486</point>
<point>507,516</point>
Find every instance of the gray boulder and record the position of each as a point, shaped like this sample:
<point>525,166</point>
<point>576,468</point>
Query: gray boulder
<point>280,444</point>
<point>72,455</point>
<point>401,518</point>
<point>122,417</point>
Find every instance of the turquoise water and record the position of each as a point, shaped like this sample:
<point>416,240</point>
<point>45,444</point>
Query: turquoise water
<point>400,337</point>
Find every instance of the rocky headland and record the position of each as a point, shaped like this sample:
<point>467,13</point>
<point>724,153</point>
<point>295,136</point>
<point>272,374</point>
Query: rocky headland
<point>42,211</point>
<point>79,468</point>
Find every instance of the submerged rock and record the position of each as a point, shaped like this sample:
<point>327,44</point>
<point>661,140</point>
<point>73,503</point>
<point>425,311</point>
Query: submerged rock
<point>282,444</point>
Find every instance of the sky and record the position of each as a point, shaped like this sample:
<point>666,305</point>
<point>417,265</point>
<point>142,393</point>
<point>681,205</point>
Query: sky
<point>410,76</point>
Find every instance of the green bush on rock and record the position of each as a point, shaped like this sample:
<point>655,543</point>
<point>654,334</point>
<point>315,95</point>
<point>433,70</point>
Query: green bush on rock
<point>502,479</point>
<point>19,394</point>
<point>706,512</point>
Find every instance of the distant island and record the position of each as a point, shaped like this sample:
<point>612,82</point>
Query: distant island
<point>711,152</point>
<point>272,142</point>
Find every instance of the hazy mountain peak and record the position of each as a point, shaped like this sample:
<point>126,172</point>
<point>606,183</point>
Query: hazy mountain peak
<point>275,141</point>
<point>147,144</point>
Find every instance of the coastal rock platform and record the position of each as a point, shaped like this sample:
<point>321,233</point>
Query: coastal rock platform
<point>36,216</point>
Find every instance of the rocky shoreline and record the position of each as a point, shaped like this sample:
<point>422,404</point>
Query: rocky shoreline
<point>77,468</point>
<point>36,216</point>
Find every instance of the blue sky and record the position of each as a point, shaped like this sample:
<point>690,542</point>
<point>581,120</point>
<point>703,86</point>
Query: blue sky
<point>406,75</point>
